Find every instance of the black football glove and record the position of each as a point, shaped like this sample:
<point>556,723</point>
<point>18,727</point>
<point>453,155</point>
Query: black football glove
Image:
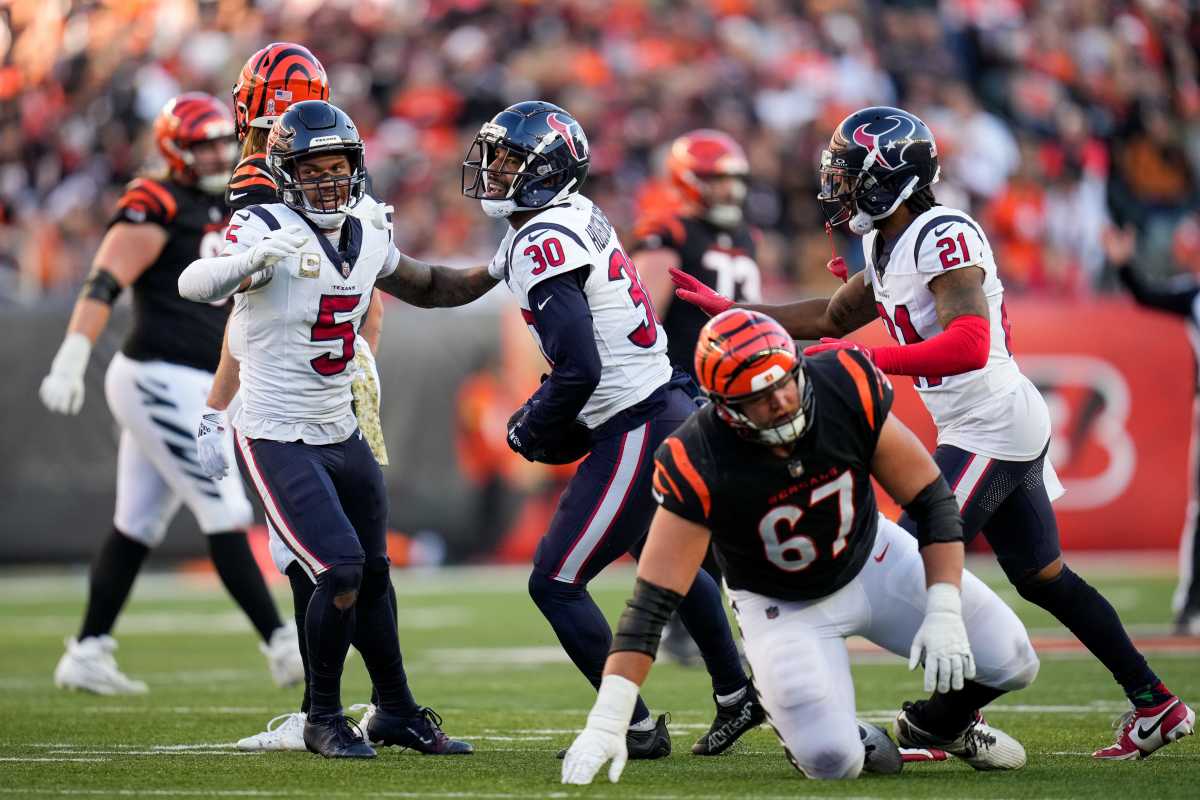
<point>571,444</point>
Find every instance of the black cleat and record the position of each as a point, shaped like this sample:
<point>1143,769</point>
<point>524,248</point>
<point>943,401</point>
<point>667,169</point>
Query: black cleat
<point>882,755</point>
<point>335,737</point>
<point>645,745</point>
<point>421,732</point>
<point>732,721</point>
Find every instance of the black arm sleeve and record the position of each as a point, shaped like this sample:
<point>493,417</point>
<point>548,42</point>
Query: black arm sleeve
<point>1172,299</point>
<point>645,615</point>
<point>935,511</point>
<point>564,324</point>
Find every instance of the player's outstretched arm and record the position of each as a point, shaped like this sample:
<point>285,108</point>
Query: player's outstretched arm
<point>1177,297</point>
<point>429,286</point>
<point>673,553</point>
<point>126,251</point>
<point>911,477</point>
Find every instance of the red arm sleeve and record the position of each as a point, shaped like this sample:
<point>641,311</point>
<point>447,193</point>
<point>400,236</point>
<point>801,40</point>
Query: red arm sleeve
<point>962,347</point>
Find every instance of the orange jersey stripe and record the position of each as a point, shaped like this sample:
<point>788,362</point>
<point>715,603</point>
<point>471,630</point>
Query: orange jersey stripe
<point>861,382</point>
<point>661,475</point>
<point>161,194</point>
<point>679,453</point>
<point>248,180</point>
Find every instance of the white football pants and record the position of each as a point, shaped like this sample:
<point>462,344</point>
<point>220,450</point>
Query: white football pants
<point>802,670</point>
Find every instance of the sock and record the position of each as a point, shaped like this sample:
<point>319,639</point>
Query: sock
<point>642,725</point>
<point>329,630</point>
<point>1093,620</point>
<point>391,592</point>
<point>230,554</point>
<point>1150,696</point>
<point>113,572</point>
<point>948,714</point>
<point>730,699</point>
<point>377,640</point>
<point>580,627</point>
<point>703,615</point>
<point>302,592</point>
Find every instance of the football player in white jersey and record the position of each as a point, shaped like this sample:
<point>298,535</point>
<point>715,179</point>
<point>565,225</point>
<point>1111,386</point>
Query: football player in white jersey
<point>302,272</point>
<point>611,394</point>
<point>930,274</point>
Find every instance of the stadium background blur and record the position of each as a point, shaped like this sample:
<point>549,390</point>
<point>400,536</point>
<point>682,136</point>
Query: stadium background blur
<point>1054,120</point>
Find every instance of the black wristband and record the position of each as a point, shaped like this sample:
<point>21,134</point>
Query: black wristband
<point>935,511</point>
<point>645,615</point>
<point>101,285</point>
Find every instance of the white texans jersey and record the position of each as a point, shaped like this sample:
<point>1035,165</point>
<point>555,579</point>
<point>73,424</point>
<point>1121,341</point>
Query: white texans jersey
<point>994,411</point>
<point>631,342</point>
<point>293,331</point>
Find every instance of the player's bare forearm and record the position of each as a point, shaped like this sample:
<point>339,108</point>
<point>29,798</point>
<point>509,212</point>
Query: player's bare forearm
<point>89,317</point>
<point>943,563</point>
<point>851,307</point>
<point>429,286</point>
<point>227,379</point>
<point>629,664</point>
<point>958,293</point>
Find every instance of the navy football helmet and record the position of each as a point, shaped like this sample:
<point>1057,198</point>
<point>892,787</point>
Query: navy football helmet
<point>877,158</point>
<point>553,154</point>
<point>316,128</point>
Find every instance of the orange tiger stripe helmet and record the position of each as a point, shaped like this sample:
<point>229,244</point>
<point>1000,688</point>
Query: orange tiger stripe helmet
<point>700,156</point>
<point>276,76</point>
<point>188,120</point>
<point>740,356</point>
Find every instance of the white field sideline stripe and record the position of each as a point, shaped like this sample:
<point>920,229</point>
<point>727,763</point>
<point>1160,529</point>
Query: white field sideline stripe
<point>279,522</point>
<point>967,482</point>
<point>40,760</point>
<point>466,795</point>
<point>611,503</point>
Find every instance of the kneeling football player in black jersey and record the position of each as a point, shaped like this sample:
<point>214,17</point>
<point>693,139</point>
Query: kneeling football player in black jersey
<point>776,473</point>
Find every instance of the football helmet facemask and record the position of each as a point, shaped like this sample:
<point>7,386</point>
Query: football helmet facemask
<point>877,158</point>
<point>317,128</point>
<point>548,147</point>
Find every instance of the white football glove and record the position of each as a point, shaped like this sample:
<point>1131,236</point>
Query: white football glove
<point>276,246</point>
<point>941,642</point>
<point>210,444</point>
<point>62,389</point>
<point>604,736</point>
<point>380,215</point>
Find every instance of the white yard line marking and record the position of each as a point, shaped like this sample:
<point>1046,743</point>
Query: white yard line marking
<point>554,795</point>
<point>40,760</point>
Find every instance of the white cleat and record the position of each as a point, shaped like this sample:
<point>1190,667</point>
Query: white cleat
<point>283,656</point>
<point>285,732</point>
<point>89,665</point>
<point>368,711</point>
<point>979,744</point>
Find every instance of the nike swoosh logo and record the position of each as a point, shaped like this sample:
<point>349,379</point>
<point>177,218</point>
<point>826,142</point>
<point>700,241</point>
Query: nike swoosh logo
<point>1145,732</point>
<point>657,495</point>
<point>944,228</point>
<point>542,304</point>
<point>240,214</point>
<point>883,553</point>
<point>237,195</point>
<point>533,237</point>
<point>423,740</point>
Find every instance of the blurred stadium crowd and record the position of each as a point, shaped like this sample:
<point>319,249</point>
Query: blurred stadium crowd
<point>1052,118</point>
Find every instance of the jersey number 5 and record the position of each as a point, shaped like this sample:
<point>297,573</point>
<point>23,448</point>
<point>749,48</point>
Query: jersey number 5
<point>796,553</point>
<point>327,329</point>
<point>620,267</point>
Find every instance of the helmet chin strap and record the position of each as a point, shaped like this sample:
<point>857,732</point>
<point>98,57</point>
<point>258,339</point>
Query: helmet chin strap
<point>862,222</point>
<point>499,209</point>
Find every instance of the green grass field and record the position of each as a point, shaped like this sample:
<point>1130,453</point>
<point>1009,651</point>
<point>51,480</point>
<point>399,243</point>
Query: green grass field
<point>479,652</point>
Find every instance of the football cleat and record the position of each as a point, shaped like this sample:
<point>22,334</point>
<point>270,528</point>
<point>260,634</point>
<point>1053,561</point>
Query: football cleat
<point>1141,731</point>
<point>645,745</point>
<point>1187,623</point>
<point>882,756</point>
<point>732,721</point>
<point>367,710</point>
<point>335,737</point>
<point>283,656</point>
<point>421,732</point>
<point>285,732</point>
<point>89,665</point>
<point>917,755</point>
<point>979,744</point>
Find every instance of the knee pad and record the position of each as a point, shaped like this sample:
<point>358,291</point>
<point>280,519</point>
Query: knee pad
<point>544,589</point>
<point>375,577</point>
<point>342,578</point>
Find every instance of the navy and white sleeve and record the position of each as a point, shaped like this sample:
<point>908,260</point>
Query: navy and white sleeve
<point>564,324</point>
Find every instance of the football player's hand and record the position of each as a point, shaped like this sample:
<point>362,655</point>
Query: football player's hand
<point>604,736</point>
<point>381,216</point>
<point>276,246</point>
<point>210,444</point>
<point>837,344</point>
<point>694,291</point>
<point>837,267</point>
<point>62,389</point>
<point>941,642</point>
<point>520,439</point>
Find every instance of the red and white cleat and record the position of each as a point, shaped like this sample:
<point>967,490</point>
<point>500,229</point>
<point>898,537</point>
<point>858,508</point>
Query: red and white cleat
<point>1141,731</point>
<point>917,755</point>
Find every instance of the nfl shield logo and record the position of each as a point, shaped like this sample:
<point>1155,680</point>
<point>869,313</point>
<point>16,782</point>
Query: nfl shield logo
<point>346,269</point>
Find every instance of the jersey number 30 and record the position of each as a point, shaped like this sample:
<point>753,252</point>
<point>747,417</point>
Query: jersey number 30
<point>796,553</point>
<point>327,329</point>
<point>620,267</point>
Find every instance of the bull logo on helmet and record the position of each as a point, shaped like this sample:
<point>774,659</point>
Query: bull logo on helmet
<point>870,141</point>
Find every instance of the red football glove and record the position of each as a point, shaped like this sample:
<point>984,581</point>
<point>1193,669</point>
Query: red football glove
<point>695,292</point>
<point>837,267</point>
<point>838,344</point>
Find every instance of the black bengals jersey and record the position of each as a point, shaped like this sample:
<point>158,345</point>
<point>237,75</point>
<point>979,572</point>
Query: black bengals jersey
<point>722,259</point>
<point>794,528</point>
<point>251,184</point>
<point>166,327</point>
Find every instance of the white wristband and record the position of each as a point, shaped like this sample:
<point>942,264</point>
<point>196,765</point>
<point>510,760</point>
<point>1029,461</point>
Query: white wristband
<point>614,704</point>
<point>943,597</point>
